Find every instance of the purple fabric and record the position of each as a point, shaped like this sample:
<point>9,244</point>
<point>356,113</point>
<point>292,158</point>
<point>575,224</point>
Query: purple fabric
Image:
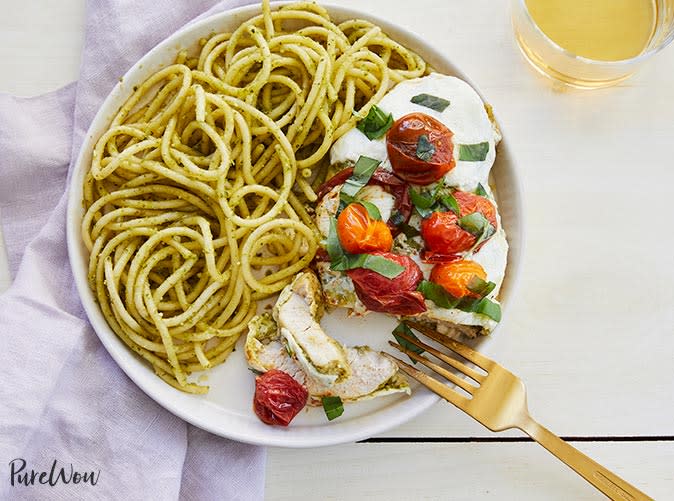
<point>63,397</point>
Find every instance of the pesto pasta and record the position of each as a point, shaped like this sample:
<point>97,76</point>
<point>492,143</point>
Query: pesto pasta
<point>196,202</point>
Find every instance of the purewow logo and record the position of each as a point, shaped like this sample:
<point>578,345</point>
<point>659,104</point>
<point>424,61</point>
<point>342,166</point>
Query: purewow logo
<point>19,474</point>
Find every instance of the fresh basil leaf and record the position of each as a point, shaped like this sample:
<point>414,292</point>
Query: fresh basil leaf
<point>473,152</point>
<point>422,200</point>
<point>333,407</point>
<point>255,371</point>
<point>385,267</point>
<point>376,123</point>
<point>481,191</point>
<point>425,149</point>
<point>479,226</point>
<point>408,231</point>
<point>371,209</point>
<point>450,202</point>
<point>433,102</point>
<point>402,328</point>
<point>396,218</point>
<point>480,287</point>
<point>475,224</point>
<point>482,306</point>
<point>333,246</point>
<point>362,172</point>
<point>437,294</point>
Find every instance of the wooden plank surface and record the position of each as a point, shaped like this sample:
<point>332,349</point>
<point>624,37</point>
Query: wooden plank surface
<point>462,471</point>
<point>592,328</point>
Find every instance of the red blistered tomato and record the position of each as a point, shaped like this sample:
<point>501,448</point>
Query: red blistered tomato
<point>398,296</point>
<point>360,234</point>
<point>278,397</point>
<point>442,234</point>
<point>455,277</point>
<point>470,203</point>
<point>401,145</point>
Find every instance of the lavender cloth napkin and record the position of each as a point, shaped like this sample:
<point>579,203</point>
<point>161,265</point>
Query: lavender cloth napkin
<point>63,397</point>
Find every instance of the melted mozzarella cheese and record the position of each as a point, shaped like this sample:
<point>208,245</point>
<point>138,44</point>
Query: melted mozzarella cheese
<point>465,116</point>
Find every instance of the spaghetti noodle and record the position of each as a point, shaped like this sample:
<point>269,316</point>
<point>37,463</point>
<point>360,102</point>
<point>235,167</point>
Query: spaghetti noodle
<point>195,200</point>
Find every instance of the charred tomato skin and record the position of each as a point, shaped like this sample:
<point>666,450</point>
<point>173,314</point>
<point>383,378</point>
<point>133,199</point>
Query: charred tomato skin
<point>443,236</point>
<point>398,295</point>
<point>278,397</point>
<point>401,145</point>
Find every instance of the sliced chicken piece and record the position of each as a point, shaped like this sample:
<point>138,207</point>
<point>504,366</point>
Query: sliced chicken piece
<point>372,375</point>
<point>296,313</point>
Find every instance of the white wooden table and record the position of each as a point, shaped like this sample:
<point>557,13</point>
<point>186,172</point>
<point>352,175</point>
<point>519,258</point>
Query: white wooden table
<point>592,328</point>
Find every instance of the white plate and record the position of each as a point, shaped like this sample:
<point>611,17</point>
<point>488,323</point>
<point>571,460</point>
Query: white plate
<point>227,409</point>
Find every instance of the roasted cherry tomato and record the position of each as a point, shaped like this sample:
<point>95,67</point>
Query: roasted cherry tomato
<point>401,144</point>
<point>455,277</point>
<point>360,234</point>
<point>444,237</point>
<point>470,202</point>
<point>398,296</point>
<point>386,180</point>
<point>278,397</point>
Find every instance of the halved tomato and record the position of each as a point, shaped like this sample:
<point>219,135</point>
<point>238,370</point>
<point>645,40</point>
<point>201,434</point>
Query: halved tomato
<point>455,277</point>
<point>402,145</point>
<point>360,234</point>
<point>442,234</point>
<point>398,296</point>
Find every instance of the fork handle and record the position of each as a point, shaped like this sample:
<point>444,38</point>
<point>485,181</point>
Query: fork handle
<point>608,483</point>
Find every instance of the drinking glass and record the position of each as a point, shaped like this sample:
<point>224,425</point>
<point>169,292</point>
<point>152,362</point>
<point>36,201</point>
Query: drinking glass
<point>553,61</point>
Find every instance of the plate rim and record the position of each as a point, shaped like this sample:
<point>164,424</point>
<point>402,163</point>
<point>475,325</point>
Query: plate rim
<point>378,422</point>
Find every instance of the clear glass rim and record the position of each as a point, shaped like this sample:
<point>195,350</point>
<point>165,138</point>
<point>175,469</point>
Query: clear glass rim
<point>620,62</point>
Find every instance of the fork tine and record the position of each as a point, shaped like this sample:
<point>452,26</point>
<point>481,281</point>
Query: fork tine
<point>460,382</point>
<point>431,383</point>
<point>465,351</point>
<point>459,366</point>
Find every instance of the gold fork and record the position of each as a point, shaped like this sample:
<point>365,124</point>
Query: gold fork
<point>499,402</point>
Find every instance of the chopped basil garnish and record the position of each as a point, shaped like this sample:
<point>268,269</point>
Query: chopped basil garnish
<point>473,152</point>
<point>479,286</point>
<point>479,226</point>
<point>255,371</point>
<point>425,149</point>
<point>371,209</point>
<point>333,407</point>
<point>362,172</point>
<point>376,123</point>
<point>486,307</point>
<point>442,298</point>
<point>437,294</point>
<point>402,328</point>
<point>408,231</point>
<point>450,202</point>
<point>476,224</point>
<point>342,261</point>
<point>378,264</point>
<point>428,202</point>
<point>333,246</point>
<point>481,191</point>
<point>396,218</point>
<point>429,101</point>
<point>422,200</point>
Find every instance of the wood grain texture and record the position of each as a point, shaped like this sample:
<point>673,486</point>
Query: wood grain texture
<point>459,472</point>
